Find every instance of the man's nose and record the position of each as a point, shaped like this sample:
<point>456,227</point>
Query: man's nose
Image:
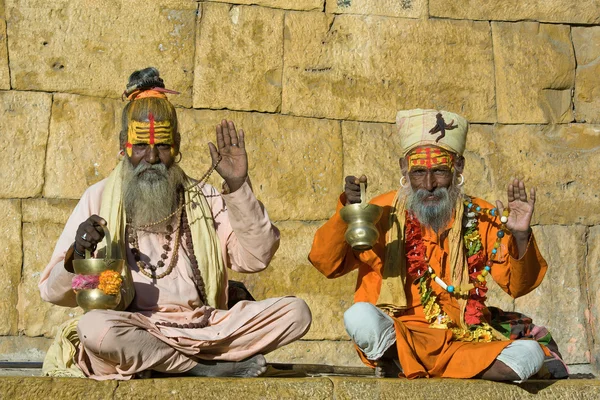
<point>152,155</point>
<point>430,182</point>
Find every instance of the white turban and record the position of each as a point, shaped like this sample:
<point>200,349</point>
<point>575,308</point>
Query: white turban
<point>414,127</point>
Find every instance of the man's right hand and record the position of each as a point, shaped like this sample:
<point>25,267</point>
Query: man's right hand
<point>352,188</point>
<point>88,235</point>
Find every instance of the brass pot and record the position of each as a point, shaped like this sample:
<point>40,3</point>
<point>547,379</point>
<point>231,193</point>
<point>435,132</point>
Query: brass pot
<point>92,299</point>
<point>361,234</point>
<point>96,299</point>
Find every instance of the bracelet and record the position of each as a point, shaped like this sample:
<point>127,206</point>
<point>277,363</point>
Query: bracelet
<point>76,252</point>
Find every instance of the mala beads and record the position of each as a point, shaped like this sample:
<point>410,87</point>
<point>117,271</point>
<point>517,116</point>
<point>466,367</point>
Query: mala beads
<point>143,266</point>
<point>472,212</point>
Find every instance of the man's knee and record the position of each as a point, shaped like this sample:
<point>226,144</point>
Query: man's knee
<point>301,317</point>
<point>92,329</point>
<point>364,317</point>
<point>525,357</point>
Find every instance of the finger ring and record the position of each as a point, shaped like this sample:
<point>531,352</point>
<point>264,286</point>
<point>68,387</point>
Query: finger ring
<point>84,236</point>
<point>234,144</point>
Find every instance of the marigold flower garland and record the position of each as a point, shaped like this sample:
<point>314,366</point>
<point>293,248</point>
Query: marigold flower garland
<point>108,281</point>
<point>423,274</point>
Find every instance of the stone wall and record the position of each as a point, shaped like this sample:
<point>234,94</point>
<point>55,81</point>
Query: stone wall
<point>316,85</point>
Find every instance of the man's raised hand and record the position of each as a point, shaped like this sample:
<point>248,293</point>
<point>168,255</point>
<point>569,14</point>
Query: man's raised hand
<point>233,166</point>
<point>521,207</point>
<point>352,188</point>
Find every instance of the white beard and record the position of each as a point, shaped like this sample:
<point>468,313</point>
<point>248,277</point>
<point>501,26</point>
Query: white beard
<point>150,192</point>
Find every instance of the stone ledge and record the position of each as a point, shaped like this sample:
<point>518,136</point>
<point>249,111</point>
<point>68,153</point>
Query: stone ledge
<point>293,388</point>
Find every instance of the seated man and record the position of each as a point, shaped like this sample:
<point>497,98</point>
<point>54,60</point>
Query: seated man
<point>419,303</point>
<point>177,235</point>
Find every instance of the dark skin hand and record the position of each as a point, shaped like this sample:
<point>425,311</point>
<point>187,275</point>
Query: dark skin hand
<point>352,188</point>
<point>92,228</point>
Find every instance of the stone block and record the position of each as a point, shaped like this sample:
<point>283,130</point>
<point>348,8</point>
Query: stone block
<point>592,276</point>
<point>4,72</point>
<point>52,211</point>
<point>372,149</point>
<point>83,143</point>
<point>535,72</point>
<point>56,388</point>
<point>322,352</point>
<point>24,120</point>
<point>295,163</point>
<point>91,48</point>
<point>40,234</point>
<point>10,264</point>
<point>391,8</point>
<point>367,68</point>
<point>284,4</point>
<point>565,11</point>
<point>23,348</point>
<point>239,58</point>
<point>587,82</point>
<point>227,388</point>
<point>290,273</point>
<point>559,303</point>
<point>555,159</point>
<point>444,389</point>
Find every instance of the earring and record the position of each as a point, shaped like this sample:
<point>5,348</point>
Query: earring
<point>462,180</point>
<point>180,157</point>
<point>121,155</point>
<point>403,182</point>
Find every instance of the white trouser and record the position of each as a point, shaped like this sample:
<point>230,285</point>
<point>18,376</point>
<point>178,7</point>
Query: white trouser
<point>373,332</point>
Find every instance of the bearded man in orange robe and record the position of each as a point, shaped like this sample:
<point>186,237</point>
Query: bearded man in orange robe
<point>420,296</point>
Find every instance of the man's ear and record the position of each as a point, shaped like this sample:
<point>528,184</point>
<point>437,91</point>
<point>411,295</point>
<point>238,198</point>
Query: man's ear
<point>403,166</point>
<point>459,164</point>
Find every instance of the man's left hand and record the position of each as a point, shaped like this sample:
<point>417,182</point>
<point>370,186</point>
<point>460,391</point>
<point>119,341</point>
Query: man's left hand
<point>232,149</point>
<point>521,211</point>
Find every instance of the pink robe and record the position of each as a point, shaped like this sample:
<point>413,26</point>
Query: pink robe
<point>120,344</point>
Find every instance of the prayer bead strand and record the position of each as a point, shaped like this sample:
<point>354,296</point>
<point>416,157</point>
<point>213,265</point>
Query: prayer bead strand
<point>481,278</point>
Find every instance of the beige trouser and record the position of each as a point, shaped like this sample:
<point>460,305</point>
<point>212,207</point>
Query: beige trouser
<point>117,345</point>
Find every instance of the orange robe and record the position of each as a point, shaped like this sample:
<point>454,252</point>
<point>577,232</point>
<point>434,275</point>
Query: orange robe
<point>425,351</point>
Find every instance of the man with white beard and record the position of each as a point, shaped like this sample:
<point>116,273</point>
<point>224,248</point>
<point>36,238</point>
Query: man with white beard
<point>419,303</point>
<point>177,236</point>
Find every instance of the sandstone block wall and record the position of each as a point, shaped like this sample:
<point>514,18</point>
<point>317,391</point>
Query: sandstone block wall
<point>316,85</point>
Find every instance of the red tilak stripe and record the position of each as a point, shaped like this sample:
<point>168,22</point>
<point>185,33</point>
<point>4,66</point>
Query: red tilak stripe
<point>151,118</point>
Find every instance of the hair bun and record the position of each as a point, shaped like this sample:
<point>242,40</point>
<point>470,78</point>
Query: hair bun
<point>146,78</point>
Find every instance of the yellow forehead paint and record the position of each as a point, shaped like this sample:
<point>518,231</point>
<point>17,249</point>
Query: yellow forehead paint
<point>429,157</point>
<point>150,133</point>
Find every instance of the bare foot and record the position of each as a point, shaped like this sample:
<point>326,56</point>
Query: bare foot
<point>387,369</point>
<point>249,368</point>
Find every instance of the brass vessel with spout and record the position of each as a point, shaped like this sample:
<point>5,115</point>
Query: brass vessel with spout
<point>361,234</point>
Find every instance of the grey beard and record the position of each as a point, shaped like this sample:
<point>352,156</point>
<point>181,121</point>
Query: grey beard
<point>436,215</point>
<point>150,192</point>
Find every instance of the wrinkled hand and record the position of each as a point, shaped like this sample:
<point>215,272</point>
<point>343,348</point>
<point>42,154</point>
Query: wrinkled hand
<point>89,234</point>
<point>233,167</point>
<point>521,208</point>
<point>352,188</point>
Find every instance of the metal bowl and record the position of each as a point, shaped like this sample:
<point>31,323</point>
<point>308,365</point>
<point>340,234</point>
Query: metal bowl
<point>95,266</point>
<point>96,299</point>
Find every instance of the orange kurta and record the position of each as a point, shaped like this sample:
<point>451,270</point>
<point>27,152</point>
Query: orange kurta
<point>424,351</point>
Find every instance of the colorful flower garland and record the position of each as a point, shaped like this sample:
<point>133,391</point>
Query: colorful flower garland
<point>108,281</point>
<point>475,291</point>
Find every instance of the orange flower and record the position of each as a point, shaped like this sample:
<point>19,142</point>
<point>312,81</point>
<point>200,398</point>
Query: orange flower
<point>110,282</point>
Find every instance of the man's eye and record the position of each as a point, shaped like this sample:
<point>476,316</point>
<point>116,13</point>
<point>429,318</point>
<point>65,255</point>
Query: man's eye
<point>441,172</point>
<point>140,146</point>
<point>163,146</point>
<point>419,172</point>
